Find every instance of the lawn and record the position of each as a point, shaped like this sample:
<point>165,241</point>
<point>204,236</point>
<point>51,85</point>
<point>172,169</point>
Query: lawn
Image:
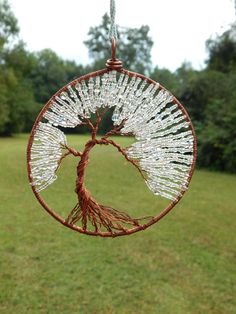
<point>186,263</point>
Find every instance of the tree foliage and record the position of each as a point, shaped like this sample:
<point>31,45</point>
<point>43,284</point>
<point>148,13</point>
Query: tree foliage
<point>210,98</point>
<point>27,80</point>
<point>8,24</point>
<point>134,45</point>
<point>222,51</point>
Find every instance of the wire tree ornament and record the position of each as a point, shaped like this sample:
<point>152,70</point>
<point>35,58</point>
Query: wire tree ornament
<point>164,151</point>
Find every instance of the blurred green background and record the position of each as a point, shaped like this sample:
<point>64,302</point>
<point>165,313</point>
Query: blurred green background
<point>184,264</point>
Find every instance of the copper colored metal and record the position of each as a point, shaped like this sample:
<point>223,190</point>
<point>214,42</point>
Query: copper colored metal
<point>136,226</point>
<point>87,209</point>
<point>114,63</point>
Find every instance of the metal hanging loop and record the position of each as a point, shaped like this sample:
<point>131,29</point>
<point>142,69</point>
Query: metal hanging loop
<point>114,63</point>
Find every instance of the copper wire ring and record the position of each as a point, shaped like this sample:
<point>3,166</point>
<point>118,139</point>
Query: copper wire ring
<point>112,66</point>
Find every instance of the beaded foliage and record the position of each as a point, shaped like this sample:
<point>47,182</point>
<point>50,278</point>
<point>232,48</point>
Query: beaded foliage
<point>163,151</point>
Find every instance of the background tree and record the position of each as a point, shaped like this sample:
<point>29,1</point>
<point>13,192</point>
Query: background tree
<point>166,78</point>
<point>210,98</point>
<point>222,51</point>
<point>8,24</point>
<point>134,46</point>
<point>17,103</point>
<point>27,80</point>
<point>50,73</point>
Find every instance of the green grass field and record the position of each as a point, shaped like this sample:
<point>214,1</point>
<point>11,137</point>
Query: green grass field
<point>184,264</point>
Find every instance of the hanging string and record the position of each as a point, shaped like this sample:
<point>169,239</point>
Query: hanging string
<point>113,29</point>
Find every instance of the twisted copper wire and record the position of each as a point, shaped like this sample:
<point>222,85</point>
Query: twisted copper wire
<point>87,209</point>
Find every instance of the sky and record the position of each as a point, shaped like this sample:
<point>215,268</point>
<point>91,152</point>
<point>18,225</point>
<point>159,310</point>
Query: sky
<point>179,29</point>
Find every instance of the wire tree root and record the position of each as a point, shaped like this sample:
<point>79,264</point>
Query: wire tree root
<point>100,216</point>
